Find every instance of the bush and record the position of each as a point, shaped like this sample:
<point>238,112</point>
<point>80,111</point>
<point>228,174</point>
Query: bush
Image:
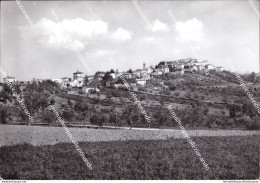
<point>48,116</point>
<point>68,115</point>
<point>253,124</point>
<point>95,119</point>
<point>243,121</point>
<point>3,115</point>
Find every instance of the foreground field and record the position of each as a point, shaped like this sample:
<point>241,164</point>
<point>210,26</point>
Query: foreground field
<point>227,157</point>
<point>36,135</point>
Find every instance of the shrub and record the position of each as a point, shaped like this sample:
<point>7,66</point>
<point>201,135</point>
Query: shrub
<point>95,119</point>
<point>243,121</point>
<point>253,124</point>
<point>3,115</point>
<point>48,116</point>
<point>176,94</point>
<point>68,115</point>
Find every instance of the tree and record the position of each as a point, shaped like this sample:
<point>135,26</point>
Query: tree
<point>95,81</point>
<point>68,115</point>
<point>188,95</point>
<point>52,101</point>
<point>8,90</point>
<point>70,103</point>
<point>86,80</point>
<point>81,107</point>
<point>46,87</point>
<point>102,120</point>
<point>160,117</point>
<point>4,96</point>
<point>130,71</point>
<point>94,119</point>
<point>112,71</point>
<point>106,78</point>
<point>34,101</point>
<point>196,96</point>
<point>48,117</point>
<point>22,115</point>
<point>254,124</point>
<point>176,94</point>
<point>252,77</point>
<point>134,117</point>
<point>3,115</point>
<point>130,122</point>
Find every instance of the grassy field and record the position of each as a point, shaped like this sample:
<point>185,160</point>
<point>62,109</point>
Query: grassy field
<point>227,157</point>
<point>38,135</point>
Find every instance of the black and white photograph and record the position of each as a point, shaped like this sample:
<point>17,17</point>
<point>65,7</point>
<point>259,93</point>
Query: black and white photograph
<point>130,90</point>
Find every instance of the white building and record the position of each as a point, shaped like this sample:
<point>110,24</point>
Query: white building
<point>89,89</point>
<point>113,75</point>
<point>78,79</point>
<point>59,81</point>
<point>200,67</point>
<point>143,73</point>
<point>65,82</point>
<point>127,75</point>
<point>209,67</point>
<point>76,83</point>
<point>9,79</point>
<point>141,81</point>
<point>79,76</point>
<point>219,69</point>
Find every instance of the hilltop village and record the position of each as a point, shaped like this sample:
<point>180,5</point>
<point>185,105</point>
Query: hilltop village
<point>144,75</point>
<point>201,94</point>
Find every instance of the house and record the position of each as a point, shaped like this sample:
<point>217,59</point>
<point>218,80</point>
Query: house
<point>23,83</point>
<point>65,82</point>
<point>165,69</point>
<point>133,84</point>
<point>90,78</point>
<point>78,79</point>
<point>119,86</point>
<point>209,67</point>
<point>72,92</point>
<point>87,89</point>
<point>135,88</point>
<point>78,76</point>
<point>59,81</point>
<point>126,100</point>
<point>9,79</point>
<point>143,103</point>
<point>219,69</point>
<point>141,81</point>
<point>116,100</point>
<point>200,67</point>
<point>76,83</point>
<point>180,66</point>
<point>194,68</point>
<point>100,75</point>
<point>162,70</point>
<point>113,75</point>
<point>156,73</point>
<point>143,73</point>
<point>126,75</point>
<point>154,104</point>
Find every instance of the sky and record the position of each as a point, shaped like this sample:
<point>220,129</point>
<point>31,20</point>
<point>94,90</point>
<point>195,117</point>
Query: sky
<point>128,33</point>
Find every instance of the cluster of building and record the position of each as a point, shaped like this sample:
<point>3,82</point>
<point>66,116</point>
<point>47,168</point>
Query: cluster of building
<point>140,75</point>
<point>76,81</point>
<point>178,67</point>
<point>186,65</point>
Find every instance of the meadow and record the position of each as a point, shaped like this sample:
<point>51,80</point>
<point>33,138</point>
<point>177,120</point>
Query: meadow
<point>38,135</point>
<point>228,158</point>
